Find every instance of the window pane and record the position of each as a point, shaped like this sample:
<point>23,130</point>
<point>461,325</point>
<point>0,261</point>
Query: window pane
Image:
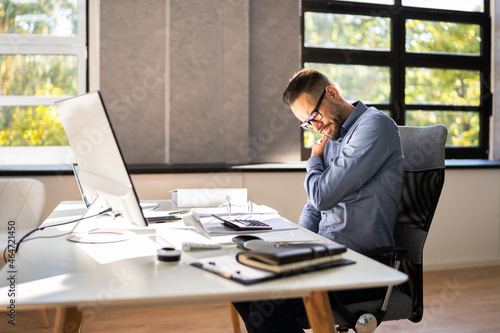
<point>347,31</point>
<point>442,37</point>
<point>442,86</point>
<point>463,127</point>
<point>31,126</point>
<point>49,17</point>
<point>368,83</point>
<point>310,136</point>
<point>38,75</point>
<point>462,5</point>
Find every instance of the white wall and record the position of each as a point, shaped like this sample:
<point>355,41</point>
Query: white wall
<point>465,231</point>
<point>466,227</point>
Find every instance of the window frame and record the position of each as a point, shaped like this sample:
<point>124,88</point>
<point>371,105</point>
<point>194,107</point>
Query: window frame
<point>24,44</point>
<point>397,59</point>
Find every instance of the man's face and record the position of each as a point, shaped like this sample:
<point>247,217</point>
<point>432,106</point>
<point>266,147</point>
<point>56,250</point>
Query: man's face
<point>332,117</point>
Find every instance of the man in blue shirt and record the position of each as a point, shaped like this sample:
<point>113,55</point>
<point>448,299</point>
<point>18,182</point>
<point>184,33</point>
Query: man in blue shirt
<point>354,175</point>
<point>353,183</point>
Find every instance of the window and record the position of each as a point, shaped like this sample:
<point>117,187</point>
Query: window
<point>421,61</point>
<point>43,58</point>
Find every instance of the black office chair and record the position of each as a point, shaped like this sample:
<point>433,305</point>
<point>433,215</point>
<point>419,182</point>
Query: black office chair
<point>423,167</point>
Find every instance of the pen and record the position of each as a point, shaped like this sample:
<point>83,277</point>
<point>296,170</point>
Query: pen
<point>163,219</point>
<point>179,212</point>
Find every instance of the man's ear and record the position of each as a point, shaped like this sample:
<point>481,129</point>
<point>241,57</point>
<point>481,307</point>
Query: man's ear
<point>332,91</point>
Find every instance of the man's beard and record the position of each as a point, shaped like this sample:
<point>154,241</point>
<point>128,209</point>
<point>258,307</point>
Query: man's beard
<point>334,127</point>
<point>335,123</point>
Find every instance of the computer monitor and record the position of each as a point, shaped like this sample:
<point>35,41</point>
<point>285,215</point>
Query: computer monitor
<point>102,171</point>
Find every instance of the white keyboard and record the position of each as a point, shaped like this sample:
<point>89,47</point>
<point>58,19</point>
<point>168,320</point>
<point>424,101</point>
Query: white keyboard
<point>186,239</point>
<point>188,246</point>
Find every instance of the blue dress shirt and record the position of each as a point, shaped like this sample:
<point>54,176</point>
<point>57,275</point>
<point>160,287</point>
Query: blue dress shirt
<point>354,192</point>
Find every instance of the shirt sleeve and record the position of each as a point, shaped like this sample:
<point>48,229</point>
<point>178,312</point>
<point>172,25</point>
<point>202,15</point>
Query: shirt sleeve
<point>310,218</point>
<point>373,143</point>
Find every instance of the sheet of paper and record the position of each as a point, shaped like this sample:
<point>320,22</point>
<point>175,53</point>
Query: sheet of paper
<point>138,246</point>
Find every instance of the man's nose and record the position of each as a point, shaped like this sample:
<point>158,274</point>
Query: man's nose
<point>316,125</point>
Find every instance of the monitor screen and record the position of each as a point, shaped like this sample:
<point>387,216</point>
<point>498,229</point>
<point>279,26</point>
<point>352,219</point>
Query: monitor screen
<point>102,171</point>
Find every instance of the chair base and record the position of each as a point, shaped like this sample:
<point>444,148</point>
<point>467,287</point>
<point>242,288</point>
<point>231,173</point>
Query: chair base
<point>400,307</point>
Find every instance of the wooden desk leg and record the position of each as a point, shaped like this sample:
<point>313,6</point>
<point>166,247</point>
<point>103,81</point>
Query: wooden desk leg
<point>43,318</point>
<point>235,318</point>
<point>68,320</point>
<point>319,312</point>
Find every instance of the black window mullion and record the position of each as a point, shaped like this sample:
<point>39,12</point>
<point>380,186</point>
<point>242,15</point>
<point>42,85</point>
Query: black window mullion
<point>444,15</point>
<point>443,107</point>
<point>343,7</point>
<point>398,86</point>
<point>346,56</point>
<point>486,96</point>
<point>446,61</point>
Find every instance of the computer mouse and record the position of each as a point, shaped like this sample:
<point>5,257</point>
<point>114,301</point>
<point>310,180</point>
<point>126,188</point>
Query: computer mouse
<point>241,239</point>
<point>250,242</point>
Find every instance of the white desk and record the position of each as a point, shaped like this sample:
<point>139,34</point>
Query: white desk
<point>59,273</point>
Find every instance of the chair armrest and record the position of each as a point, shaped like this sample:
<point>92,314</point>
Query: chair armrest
<point>378,252</point>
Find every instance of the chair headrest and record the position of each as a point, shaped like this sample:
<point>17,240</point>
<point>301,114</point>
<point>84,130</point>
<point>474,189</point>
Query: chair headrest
<point>423,147</point>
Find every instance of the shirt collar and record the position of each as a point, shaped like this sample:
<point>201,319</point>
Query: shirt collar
<point>359,109</point>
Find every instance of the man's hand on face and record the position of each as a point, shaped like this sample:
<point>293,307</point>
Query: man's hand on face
<point>319,147</point>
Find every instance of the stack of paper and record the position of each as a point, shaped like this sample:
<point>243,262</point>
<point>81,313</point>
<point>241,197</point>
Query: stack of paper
<point>209,197</point>
<point>234,210</point>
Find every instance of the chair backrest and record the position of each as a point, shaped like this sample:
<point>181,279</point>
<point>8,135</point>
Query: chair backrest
<point>21,200</point>
<point>423,148</point>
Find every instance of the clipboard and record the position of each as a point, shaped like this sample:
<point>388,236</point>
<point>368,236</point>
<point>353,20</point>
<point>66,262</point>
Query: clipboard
<point>228,267</point>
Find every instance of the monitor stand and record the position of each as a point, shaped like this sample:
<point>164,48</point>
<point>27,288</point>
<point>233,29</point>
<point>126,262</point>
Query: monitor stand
<point>92,233</point>
<point>100,236</point>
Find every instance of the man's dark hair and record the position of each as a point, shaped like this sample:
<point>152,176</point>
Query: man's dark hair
<point>305,81</point>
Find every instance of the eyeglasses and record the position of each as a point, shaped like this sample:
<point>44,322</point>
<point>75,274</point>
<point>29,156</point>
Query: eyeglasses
<point>314,115</point>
